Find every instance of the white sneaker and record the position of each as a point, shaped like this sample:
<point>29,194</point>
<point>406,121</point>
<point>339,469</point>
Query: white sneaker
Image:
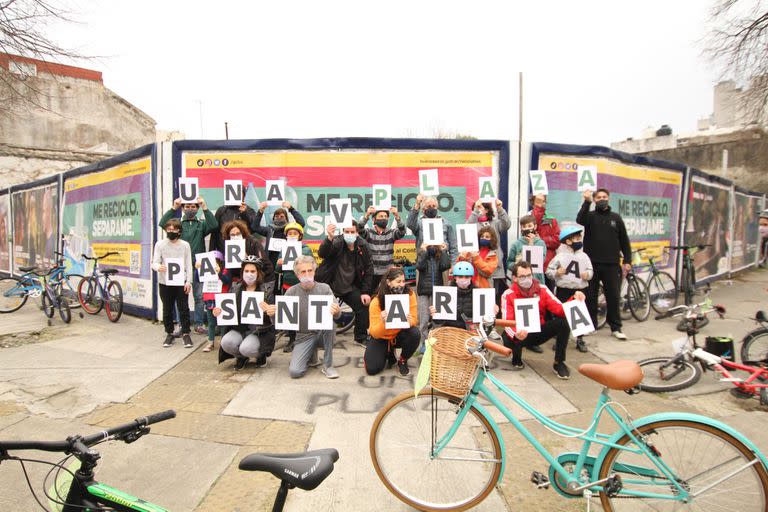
<point>619,335</point>
<point>330,372</point>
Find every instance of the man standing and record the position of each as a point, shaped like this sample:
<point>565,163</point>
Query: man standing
<point>381,240</point>
<point>605,237</point>
<point>429,205</point>
<point>348,269</point>
<point>193,231</point>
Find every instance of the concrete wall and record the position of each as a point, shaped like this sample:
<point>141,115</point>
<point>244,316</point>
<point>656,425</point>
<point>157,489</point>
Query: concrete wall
<point>24,165</point>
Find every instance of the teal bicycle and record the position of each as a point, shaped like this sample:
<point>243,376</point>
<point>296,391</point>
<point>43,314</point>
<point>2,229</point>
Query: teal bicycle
<point>442,450</point>
<point>14,291</point>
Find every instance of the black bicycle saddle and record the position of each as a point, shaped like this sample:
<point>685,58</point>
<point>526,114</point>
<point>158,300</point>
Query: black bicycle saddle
<point>305,470</point>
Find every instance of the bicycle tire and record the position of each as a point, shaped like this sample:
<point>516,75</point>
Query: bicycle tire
<point>656,381</point>
<point>682,325</point>
<point>11,300</point>
<point>754,346</point>
<point>696,454</point>
<point>400,446</point>
<point>64,312</point>
<point>347,319</point>
<point>602,308</point>
<point>624,310</point>
<point>686,286</point>
<point>662,292</point>
<point>68,289</point>
<point>47,304</point>
<point>114,302</point>
<point>639,304</point>
<point>88,294</point>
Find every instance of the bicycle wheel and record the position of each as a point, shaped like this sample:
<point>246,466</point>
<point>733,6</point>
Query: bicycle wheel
<point>754,346</point>
<point>662,292</point>
<point>639,304</point>
<point>114,301</point>
<point>624,309</point>
<point>662,374</point>
<point>88,295</point>
<point>347,318</point>
<point>64,312</point>
<point>12,294</point>
<point>686,286</point>
<point>402,439</point>
<point>698,456</point>
<point>602,308</point>
<point>68,289</point>
<point>47,303</point>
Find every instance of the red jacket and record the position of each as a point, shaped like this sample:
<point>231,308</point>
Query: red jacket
<point>549,231</point>
<point>547,302</point>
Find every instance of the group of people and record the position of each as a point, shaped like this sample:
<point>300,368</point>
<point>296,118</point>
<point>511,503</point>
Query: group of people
<point>358,267</point>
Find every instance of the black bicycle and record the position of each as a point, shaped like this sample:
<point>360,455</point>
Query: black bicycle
<point>304,470</point>
<point>99,290</point>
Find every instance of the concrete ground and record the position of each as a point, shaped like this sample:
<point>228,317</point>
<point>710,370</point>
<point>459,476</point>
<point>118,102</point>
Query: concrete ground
<point>59,380</point>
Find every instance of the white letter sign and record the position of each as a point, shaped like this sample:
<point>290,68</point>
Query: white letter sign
<point>320,317</point>
<point>250,311</point>
<point>291,251</point>
<point>341,212</point>
<point>466,237</point>
<point>174,274</point>
<point>539,182</point>
<point>188,190</point>
<point>382,197</point>
<point>527,315</point>
<point>487,189</point>
<point>428,185</point>
<point>534,255</point>
<point>432,231</point>
<point>207,270</point>
<point>228,305</point>
<point>287,314</point>
<point>275,194</point>
<point>233,192</point>
<point>483,302</point>
<point>397,308</point>
<point>578,317</point>
<point>234,252</point>
<point>586,176</point>
<point>445,302</point>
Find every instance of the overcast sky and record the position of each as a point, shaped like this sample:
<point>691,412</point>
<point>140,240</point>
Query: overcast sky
<point>594,72</point>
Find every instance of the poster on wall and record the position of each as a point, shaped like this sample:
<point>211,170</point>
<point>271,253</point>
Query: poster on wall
<point>111,211</point>
<point>646,197</point>
<point>708,223</point>
<point>35,216</point>
<point>744,245</point>
<point>314,178</point>
<point>5,233</point>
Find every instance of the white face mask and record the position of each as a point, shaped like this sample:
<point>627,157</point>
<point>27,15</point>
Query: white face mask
<point>293,238</point>
<point>463,282</point>
<point>235,237</point>
<point>250,278</point>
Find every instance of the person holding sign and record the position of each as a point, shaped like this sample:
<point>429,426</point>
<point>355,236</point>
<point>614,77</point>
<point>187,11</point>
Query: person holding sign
<point>431,262</point>
<point>529,237</point>
<point>226,214</point>
<point>348,269</point>
<point>525,286</point>
<point>254,335</point>
<point>294,232</point>
<point>570,270</point>
<point>547,229</point>
<point>605,239</point>
<point>276,229</point>
<point>380,350</point>
<point>381,239</point>
<point>308,340</point>
<point>209,297</point>
<point>172,260</point>
<point>238,230</point>
<point>194,231</point>
<point>485,261</point>
<point>463,273</point>
<point>414,223</point>
<point>493,215</point>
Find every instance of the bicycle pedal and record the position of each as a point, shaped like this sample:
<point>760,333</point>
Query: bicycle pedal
<point>540,479</point>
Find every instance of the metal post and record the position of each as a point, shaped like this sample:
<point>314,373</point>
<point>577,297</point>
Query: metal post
<point>519,142</point>
<point>226,130</point>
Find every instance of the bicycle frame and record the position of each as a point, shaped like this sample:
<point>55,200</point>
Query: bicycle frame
<point>98,495</point>
<point>659,471</point>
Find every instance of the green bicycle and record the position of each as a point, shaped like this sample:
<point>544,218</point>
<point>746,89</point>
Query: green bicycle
<point>441,451</point>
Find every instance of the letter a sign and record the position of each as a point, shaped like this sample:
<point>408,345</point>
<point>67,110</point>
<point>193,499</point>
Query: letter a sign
<point>587,178</point>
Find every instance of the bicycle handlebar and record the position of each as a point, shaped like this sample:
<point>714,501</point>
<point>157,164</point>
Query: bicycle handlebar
<point>96,258</point>
<point>75,443</point>
<point>697,246</point>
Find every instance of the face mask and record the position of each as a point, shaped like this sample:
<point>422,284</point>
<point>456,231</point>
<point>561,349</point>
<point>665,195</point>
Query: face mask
<point>173,235</point>
<point>431,251</point>
<point>382,223</point>
<point>538,211</point>
<point>249,278</point>
<point>763,230</point>
<point>190,214</point>
<point>482,218</point>
<point>577,245</point>
<point>525,282</point>
<point>235,237</point>
<point>484,243</point>
<point>397,289</point>
<point>463,282</point>
<point>350,239</point>
<point>293,239</point>
<point>306,281</point>
<point>279,223</point>
<point>601,205</point>
<point>430,213</point>
<point>527,232</point>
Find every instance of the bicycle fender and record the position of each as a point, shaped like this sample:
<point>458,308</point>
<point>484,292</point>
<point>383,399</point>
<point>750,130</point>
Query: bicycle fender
<point>482,410</point>
<point>694,418</point>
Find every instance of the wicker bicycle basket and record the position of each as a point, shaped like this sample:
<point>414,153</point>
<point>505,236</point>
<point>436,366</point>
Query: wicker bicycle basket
<point>453,369</point>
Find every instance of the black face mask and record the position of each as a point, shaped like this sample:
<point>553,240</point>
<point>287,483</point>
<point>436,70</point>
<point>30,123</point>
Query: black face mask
<point>527,232</point>
<point>431,250</point>
<point>172,235</point>
<point>279,223</point>
<point>601,205</point>
<point>382,223</point>
<point>430,213</point>
<point>397,289</point>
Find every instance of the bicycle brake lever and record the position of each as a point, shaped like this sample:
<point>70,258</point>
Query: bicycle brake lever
<point>133,435</point>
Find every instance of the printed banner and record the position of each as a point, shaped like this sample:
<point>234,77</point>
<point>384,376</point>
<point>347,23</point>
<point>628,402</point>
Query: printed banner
<point>5,233</point>
<point>745,239</point>
<point>111,210</point>
<point>708,223</point>
<point>647,198</point>
<point>35,218</point>
<point>313,178</point>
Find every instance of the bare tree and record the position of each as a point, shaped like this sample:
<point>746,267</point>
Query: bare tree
<point>738,42</point>
<point>23,25</point>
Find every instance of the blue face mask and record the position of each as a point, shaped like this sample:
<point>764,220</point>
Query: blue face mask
<point>350,239</point>
<point>577,245</point>
<point>484,243</point>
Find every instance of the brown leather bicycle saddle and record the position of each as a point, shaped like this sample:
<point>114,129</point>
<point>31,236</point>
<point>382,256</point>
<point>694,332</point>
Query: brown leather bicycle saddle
<point>618,375</point>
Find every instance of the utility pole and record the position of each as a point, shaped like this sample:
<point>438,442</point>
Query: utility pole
<point>520,142</point>
<point>226,130</point>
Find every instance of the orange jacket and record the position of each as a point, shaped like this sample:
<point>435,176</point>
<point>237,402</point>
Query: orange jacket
<point>377,328</point>
<point>484,267</point>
